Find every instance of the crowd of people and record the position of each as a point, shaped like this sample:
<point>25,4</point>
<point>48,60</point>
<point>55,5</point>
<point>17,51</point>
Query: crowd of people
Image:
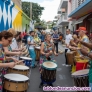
<point>82,58</point>
<point>12,44</point>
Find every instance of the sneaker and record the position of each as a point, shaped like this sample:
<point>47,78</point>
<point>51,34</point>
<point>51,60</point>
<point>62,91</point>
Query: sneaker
<point>63,64</point>
<point>67,65</point>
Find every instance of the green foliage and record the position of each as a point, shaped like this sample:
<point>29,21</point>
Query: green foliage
<point>36,10</point>
<point>26,8</point>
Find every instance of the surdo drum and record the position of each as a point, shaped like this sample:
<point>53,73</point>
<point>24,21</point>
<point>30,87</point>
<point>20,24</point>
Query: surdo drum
<point>37,51</point>
<point>15,82</point>
<point>48,73</point>
<point>27,60</point>
<point>19,69</point>
<point>81,78</point>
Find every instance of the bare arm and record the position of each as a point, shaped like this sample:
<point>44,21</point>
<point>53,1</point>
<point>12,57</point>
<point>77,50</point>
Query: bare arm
<point>89,45</point>
<point>7,52</point>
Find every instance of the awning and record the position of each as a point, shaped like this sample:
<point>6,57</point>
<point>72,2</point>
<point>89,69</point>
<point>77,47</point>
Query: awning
<point>80,20</point>
<point>82,10</point>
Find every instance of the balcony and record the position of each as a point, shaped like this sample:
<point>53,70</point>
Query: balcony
<point>63,19</point>
<point>82,8</point>
<point>63,4</point>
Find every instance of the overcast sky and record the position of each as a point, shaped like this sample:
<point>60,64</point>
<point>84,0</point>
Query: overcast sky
<point>51,7</point>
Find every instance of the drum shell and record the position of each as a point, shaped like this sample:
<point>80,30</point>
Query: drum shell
<point>37,51</point>
<point>15,86</point>
<point>48,75</point>
<point>70,57</point>
<point>81,81</point>
<point>17,71</point>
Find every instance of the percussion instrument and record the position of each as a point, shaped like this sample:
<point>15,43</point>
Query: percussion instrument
<point>27,60</point>
<point>15,82</point>
<point>81,63</point>
<point>48,73</point>
<point>37,51</point>
<point>19,69</point>
<point>70,57</point>
<point>81,78</point>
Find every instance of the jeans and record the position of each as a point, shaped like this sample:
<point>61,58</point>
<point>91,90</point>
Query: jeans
<point>33,56</point>
<point>65,55</point>
<point>56,45</point>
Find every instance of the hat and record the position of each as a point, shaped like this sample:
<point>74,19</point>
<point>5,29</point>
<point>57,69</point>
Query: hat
<point>81,29</point>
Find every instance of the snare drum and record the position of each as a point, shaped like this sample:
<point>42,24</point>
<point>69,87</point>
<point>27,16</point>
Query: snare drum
<point>15,82</point>
<point>81,78</point>
<point>27,60</point>
<point>19,69</point>
<point>70,57</point>
<point>48,73</point>
<point>37,51</point>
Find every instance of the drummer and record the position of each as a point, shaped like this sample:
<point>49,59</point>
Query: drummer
<point>88,54</point>
<point>12,49</point>
<point>31,45</point>
<point>82,33</point>
<point>37,40</point>
<point>47,49</point>
<point>5,40</point>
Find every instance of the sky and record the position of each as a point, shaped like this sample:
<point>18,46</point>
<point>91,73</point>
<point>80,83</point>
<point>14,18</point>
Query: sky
<point>51,7</point>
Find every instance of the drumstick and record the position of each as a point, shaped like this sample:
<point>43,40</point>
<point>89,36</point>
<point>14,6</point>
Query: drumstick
<point>20,61</point>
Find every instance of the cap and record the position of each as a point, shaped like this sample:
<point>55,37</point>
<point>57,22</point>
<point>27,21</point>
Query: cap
<point>81,29</point>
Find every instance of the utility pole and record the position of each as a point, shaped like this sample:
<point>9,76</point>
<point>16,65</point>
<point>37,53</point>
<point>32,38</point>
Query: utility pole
<point>31,10</point>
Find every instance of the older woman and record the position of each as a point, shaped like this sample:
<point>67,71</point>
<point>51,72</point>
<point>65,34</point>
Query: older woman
<point>47,49</point>
<point>5,40</point>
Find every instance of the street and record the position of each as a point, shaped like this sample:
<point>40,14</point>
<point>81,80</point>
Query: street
<point>63,76</point>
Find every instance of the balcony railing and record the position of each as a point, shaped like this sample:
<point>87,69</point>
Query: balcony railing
<point>76,3</point>
<point>63,18</point>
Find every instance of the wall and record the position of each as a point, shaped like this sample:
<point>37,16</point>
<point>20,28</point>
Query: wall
<point>20,20</point>
<point>6,14</point>
<point>11,16</point>
<point>18,3</point>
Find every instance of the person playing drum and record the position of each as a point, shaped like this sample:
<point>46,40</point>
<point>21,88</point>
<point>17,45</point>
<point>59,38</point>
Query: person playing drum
<point>47,50</point>
<point>81,62</point>
<point>88,54</point>
<point>37,40</point>
<point>5,40</point>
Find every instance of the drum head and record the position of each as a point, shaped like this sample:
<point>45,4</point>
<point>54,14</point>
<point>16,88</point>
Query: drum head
<point>16,77</point>
<point>21,67</point>
<point>49,65</point>
<point>37,47</point>
<point>81,73</point>
<point>26,58</point>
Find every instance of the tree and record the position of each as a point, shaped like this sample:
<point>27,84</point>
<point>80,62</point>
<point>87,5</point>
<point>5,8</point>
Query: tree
<point>26,8</point>
<point>36,10</point>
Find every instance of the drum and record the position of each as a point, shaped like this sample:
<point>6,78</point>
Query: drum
<point>70,57</point>
<point>27,60</point>
<point>15,82</point>
<point>48,73</point>
<point>37,51</point>
<point>81,78</point>
<point>19,69</point>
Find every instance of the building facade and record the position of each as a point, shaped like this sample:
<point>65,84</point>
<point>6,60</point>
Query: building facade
<point>11,16</point>
<point>63,22</point>
<point>18,3</point>
<point>81,14</point>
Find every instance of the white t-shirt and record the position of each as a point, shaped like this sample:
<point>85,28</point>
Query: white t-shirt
<point>68,38</point>
<point>14,44</point>
<point>32,41</point>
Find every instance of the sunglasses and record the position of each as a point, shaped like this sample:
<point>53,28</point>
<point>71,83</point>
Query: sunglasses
<point>9,41</point>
